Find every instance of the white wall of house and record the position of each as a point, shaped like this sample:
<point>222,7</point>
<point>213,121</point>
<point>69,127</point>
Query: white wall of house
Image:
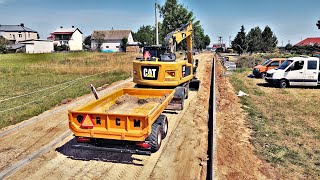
<point>111,45</point>
<point>108,46</point>
<point>75,44</point>
<point>39,47</point>
<point>29,48</point>
<point>130,38</point>
<point>21,36</point>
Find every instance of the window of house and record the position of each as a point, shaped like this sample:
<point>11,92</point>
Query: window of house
<point>107,46</point>
<point>14,37</point>
<point>20,35</point>
<point>312,64</point>
<point>117,46</point>
<point>28,34</point>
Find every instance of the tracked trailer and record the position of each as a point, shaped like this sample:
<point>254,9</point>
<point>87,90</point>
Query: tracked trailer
<point>126,121</point>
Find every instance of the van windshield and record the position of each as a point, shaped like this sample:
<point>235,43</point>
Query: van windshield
<point>266,62</point>
<point>285,64</point>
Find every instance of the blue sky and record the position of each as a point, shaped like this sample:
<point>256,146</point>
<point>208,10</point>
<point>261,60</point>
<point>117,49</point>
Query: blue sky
<point>290,19</point>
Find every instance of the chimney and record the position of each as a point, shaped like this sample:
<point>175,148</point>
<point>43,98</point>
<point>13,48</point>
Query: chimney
<point>61,27</point>
<point>72,26</point>
<point>22,24</point>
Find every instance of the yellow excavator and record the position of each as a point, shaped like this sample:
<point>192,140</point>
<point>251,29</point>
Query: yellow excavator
<point>159,67</point>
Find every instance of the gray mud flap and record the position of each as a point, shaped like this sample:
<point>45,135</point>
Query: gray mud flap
<point>194,84</point>
<point>177,103</point>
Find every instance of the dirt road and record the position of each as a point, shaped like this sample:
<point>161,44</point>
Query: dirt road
<point>183,153</point>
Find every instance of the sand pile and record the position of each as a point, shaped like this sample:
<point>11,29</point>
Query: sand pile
<point>136,101</point>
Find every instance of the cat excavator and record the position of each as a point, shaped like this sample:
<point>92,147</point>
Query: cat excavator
<point>160,68</point>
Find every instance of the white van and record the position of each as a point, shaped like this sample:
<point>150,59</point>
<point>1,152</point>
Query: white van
<point>296,71</point>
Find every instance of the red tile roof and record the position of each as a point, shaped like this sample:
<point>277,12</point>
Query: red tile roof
<point>309,41</point>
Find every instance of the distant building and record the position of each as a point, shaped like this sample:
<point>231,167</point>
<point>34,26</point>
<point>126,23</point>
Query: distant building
<point>309,41</point>
<point>219,45</point>
<point>110,40</point>
<point>17,33</point>
<point>71,37</point>
<point>38,46</point>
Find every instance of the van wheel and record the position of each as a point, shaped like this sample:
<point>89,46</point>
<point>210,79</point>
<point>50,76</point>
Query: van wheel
<point>155,137</point>
<point>263,75</point>
<point>283,83</point>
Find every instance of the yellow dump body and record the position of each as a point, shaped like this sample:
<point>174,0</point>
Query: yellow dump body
<point>131,122</point>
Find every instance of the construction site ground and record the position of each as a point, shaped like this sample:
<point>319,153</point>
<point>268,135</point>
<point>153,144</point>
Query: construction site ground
<point>235,155</point>
<point>182,155</point>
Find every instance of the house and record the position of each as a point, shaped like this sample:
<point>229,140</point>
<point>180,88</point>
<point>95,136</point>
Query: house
<point>309,42</point>
<point>110,40</point>
<point>38,46</point>
<point>17,33</point>
<point>71,37</point>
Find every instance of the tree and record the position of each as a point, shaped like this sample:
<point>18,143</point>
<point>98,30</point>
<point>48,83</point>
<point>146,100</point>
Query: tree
<point>254,39</point>
<point>174,16</point>
<point>240,43</point>
<point>3,43</point>
<point>145,35</point>
<point>207,41</point>
<point>87,40</point>
<point>288,47</point>
<point>124,42</point>
<point>98,37</point>
<point>269,39</point>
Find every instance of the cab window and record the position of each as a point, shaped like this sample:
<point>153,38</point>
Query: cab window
<point>312,65</point>
<point>298,65</point>
<point>274,63</point>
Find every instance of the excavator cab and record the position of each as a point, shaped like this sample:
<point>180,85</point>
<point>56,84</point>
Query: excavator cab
<point>159,53</point>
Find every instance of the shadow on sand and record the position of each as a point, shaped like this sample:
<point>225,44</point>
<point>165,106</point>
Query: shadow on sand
<point>88,155</point>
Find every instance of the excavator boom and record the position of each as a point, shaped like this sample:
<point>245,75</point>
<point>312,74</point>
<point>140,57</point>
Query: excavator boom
<point>175,37</point>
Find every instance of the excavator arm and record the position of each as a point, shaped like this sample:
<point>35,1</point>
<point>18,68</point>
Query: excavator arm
<point>175,37</point>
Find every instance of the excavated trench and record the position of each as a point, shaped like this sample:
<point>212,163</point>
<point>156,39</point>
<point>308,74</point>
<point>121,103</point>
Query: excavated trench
<point>211,124</point>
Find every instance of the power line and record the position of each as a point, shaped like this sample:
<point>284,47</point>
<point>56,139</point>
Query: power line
<point>22,95</point>
<point>35,100</point>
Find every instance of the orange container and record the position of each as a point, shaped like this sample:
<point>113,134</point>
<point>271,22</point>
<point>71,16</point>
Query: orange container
<point>106,118</point>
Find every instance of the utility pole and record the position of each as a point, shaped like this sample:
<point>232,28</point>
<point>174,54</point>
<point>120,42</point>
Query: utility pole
<point>318,25</point>
<point>220,41</point>
<point>157,28</point>
<point>229,41</point>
